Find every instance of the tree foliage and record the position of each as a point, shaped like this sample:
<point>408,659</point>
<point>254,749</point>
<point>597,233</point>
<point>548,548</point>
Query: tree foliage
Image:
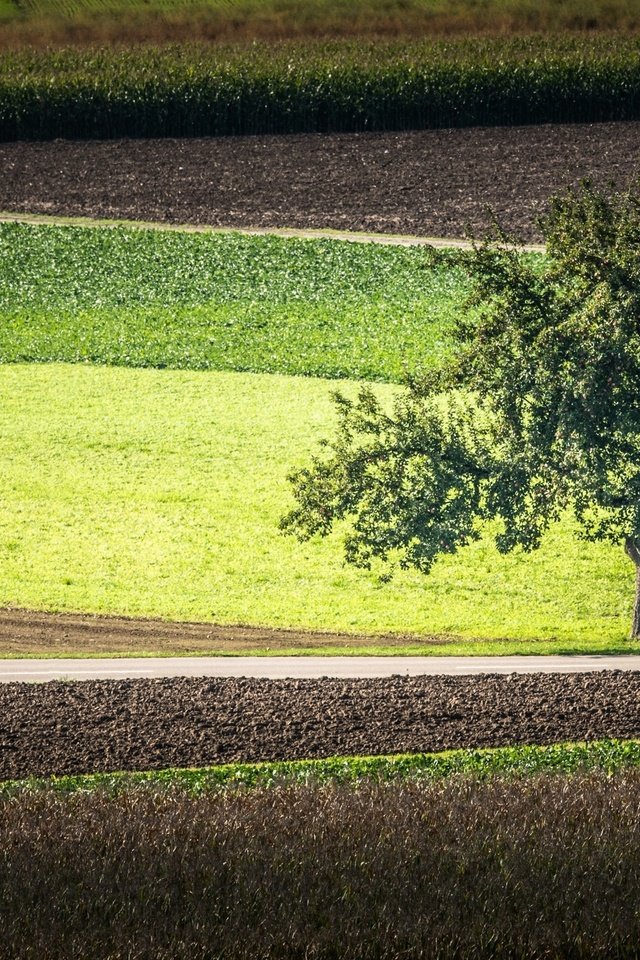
<point>536,412</point>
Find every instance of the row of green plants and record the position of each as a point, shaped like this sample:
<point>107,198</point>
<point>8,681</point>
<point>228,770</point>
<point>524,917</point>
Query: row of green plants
<point>527,868</point>
<point>193,90</point>
<point>608,756</point>
<point>148,298</point>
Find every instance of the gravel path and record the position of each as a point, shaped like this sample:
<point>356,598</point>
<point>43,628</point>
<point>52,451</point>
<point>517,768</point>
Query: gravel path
<point>104,725</point>
<point>428,183</point>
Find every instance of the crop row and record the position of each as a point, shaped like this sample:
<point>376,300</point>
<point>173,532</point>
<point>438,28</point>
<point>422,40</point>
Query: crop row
<point>306,87</point>
<point>509,868</point>
<point>149,298</point>
<point>608,756</point>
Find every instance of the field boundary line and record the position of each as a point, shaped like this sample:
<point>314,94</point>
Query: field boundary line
<point>294,233</point>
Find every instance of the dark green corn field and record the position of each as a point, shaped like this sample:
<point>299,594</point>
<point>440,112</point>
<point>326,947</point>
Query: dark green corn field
<point>209,90</point>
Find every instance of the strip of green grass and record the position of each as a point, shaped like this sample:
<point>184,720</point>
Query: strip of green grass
<point>147,298</point>
<point>566,758</point>
<point>157,493</point>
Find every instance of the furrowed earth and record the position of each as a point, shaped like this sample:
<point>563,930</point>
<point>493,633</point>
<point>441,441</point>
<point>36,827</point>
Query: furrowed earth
<point>110,725</point>
<point>431,183</point>
<point>32,633</point>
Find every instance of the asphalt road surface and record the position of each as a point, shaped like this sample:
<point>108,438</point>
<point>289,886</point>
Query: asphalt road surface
<point>302,667</point>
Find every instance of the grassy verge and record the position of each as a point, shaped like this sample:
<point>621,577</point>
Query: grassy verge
<point>157,493</point>
<point>147,298</point>
<point>609,756</point>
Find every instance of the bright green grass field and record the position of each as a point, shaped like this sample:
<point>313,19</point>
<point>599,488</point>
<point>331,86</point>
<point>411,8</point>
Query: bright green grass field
<point>158,493</point>
<point>147,298</point>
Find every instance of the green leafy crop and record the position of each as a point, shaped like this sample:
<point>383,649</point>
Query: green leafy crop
<point>147,298</point>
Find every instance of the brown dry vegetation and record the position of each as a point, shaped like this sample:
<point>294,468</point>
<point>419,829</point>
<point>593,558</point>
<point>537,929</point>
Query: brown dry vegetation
<point>541,868</point>
<point>82,24</point>
<point>246,20</point>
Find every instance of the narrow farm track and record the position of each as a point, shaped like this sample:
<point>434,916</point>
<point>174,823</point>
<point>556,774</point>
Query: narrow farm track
<point>348,236</point>
<point>431,183</point>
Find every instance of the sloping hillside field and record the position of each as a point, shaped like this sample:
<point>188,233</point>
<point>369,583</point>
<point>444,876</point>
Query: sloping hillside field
<point>156,492</point>
<point>146,298</point>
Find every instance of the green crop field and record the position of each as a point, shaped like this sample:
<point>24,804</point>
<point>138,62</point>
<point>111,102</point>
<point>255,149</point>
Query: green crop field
<point>157,493</point>
<point>222,301</point>
<point>204,90</point>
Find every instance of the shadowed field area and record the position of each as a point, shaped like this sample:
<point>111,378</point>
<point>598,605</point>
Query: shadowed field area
<point>45,22</point>
<point>394,870</point>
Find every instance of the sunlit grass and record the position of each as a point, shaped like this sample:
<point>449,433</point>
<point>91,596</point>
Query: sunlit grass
<point>157,493</point>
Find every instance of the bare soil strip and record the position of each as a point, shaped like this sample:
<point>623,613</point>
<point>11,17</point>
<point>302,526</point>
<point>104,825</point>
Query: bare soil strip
<point>348,236</point>
<point>28,633</point>
<point>432,183</point>
<point>108,725</point>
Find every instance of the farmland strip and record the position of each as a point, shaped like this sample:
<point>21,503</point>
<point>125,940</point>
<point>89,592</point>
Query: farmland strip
<point>199,91</point>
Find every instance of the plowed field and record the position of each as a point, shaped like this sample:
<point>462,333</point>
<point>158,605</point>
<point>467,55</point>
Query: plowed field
<point>108,725</point>
<point>429,183</point>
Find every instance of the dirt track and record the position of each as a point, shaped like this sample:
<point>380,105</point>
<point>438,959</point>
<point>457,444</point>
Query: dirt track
<point>25,632</point>
<point>429,183</point>
<point>149,724</point>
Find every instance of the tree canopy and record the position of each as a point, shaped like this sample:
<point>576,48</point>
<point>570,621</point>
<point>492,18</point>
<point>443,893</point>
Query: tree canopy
<point>535,413</point>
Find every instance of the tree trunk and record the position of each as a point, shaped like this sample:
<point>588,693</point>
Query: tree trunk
<point>632,546</point>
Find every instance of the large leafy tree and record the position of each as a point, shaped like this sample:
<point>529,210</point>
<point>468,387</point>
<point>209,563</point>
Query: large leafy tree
<point>537,411</point>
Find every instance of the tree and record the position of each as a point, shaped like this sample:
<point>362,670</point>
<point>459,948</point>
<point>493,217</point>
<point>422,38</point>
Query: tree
<point>536,412</point>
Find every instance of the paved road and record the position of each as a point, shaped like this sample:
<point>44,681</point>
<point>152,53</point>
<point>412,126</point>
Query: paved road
<point>301,667</point>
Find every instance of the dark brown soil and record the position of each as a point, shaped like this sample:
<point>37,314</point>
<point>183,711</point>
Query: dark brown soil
<point>430,183</point>
<point>106,725</point>
<point>29,633</point>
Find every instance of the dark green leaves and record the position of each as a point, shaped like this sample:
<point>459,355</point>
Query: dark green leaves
<point>550,362</point>
<point>411,481</point>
